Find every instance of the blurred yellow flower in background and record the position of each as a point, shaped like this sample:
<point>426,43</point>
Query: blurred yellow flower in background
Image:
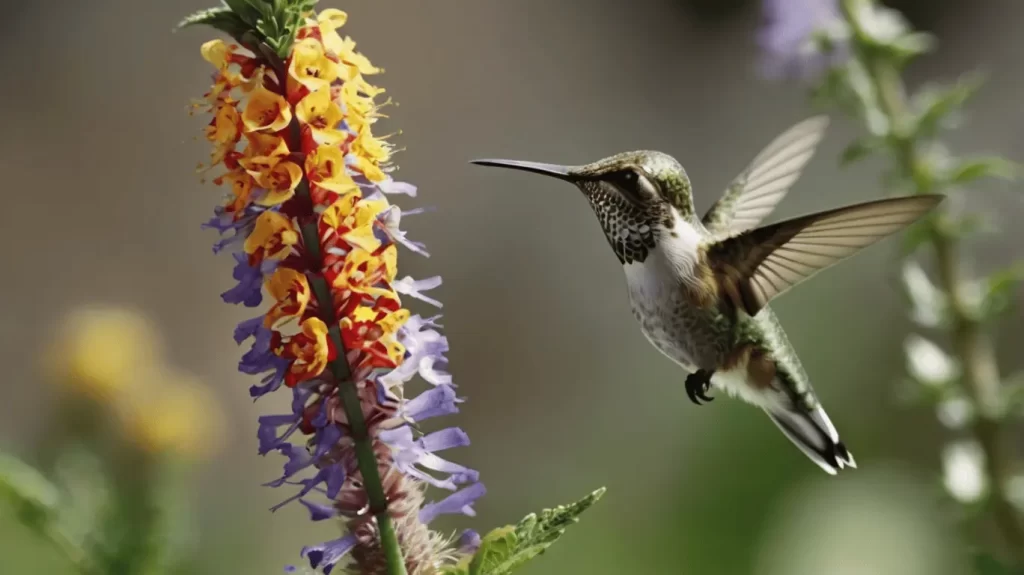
<point>176,414</point>
<point>100,352</point>
<point>114,357</point>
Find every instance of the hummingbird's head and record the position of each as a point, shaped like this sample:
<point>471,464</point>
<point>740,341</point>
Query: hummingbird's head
<point>635,196</point>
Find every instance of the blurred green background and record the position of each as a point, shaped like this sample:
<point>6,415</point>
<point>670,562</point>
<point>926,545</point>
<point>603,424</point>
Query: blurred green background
<point>103,206</point>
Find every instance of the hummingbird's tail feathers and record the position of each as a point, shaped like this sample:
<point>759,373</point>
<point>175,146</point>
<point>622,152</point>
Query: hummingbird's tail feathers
<point>814,434</point>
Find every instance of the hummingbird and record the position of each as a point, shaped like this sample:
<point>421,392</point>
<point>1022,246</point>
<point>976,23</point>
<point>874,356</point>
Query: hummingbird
<point>700,287</point>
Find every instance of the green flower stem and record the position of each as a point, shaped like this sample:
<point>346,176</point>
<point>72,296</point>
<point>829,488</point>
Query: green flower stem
<point>981,380</point>
<point>365,456</point>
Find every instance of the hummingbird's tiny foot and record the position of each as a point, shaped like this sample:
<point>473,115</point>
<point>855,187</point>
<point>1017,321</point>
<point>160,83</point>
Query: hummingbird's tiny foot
<point>697,386</point>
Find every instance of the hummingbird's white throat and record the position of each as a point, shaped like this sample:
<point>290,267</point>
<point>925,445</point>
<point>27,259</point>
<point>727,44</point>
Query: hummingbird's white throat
<point>678,248</point>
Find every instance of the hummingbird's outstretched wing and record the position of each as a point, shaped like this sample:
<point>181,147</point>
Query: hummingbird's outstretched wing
<point>754,193</point>
<point>755,266</point>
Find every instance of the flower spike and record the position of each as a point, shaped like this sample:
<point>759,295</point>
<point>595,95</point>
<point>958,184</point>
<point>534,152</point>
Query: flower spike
<point>308,220</point>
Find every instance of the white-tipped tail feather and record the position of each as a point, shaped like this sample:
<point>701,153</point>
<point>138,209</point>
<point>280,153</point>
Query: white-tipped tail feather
<point>814,434</point>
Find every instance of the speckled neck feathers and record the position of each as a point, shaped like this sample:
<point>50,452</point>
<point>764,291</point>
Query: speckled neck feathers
<point>636,213</point>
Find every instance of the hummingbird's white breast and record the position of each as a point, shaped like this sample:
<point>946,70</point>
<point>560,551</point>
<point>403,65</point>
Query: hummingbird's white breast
<point>666,318</point>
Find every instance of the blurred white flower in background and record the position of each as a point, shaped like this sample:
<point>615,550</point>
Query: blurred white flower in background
<point>963,471</point>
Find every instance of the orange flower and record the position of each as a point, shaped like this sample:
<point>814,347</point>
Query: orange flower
<point>266,112</point>
<point>241,190</point>
<point>290,289</point>
<point>308,350</point>
<point>310,65</point>
<point>366,275</point>
<point>226,126</point>
<point>318,111</point>
<point>272,237</point>
<point>372,331</point>
<point>280,183</point>
<point>325,168</point>
<point>263,152</point>
<point>352,218</point>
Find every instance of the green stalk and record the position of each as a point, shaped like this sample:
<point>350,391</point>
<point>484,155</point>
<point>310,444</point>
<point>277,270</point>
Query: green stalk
<point>981,380</point>
<point>339,367</point>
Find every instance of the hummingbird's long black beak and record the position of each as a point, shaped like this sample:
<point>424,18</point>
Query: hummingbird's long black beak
<point>553,170</point>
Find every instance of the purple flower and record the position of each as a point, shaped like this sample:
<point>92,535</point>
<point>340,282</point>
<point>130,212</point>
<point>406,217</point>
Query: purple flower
<point>390,220</point>
<point>413,456</point>
<point>325,555</point>
<point>239,228</point>
<point>460,502</point>
<point>425,348</point>
<point>434,402</point>
<point>260,359</point>
<point>249,290</point>
<point>468,542</point>
<point>415,288</point>
<point>788,40</point>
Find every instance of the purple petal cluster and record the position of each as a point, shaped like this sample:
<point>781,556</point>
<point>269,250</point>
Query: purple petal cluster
<point>787,39</point>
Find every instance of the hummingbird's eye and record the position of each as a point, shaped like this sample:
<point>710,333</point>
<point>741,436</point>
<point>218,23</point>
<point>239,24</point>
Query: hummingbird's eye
<point>631,185</point>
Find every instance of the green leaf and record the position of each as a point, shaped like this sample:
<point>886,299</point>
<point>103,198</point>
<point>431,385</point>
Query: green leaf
<point>507,548</point>
<point>972,169</point>
<point>862,85</point>
<point>858,150</point>
<point>936,108</point>
<point>998,291</point>
<point>985,564</point>
<point>26,485</point>
<point>222,19</point>
<point>911,45</point>
<point>250,11</point>
<point>873,24</point>
<point>80,473</point>
<point>1013,392</point>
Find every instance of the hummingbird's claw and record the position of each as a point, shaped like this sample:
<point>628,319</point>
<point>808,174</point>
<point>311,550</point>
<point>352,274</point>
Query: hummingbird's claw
<point>697,386</point>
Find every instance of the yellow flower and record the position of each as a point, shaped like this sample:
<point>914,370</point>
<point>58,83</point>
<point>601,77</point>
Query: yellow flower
<point>325,167</point>
<point>362,273</point>
<point>309,351</point>
<point>321,114</point>
<point>266,111</point>
<point>226,127</point>
<point>272,237</point>
<point>262,153</point>
<point>101,351</point>
<point>369,169</point>
<point>280,183</point>
<point>216,52</point>
<point>370,153</point>
<point>371,148</point>
<point>177,414</point>
<point>329,21</point>
<point>241,188</point>
<point>354,63</point>
<point>360,110</point>
<point>310,65</point>
<point>353,219</point>
<point>373,332</point>
<point>290,289</point>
